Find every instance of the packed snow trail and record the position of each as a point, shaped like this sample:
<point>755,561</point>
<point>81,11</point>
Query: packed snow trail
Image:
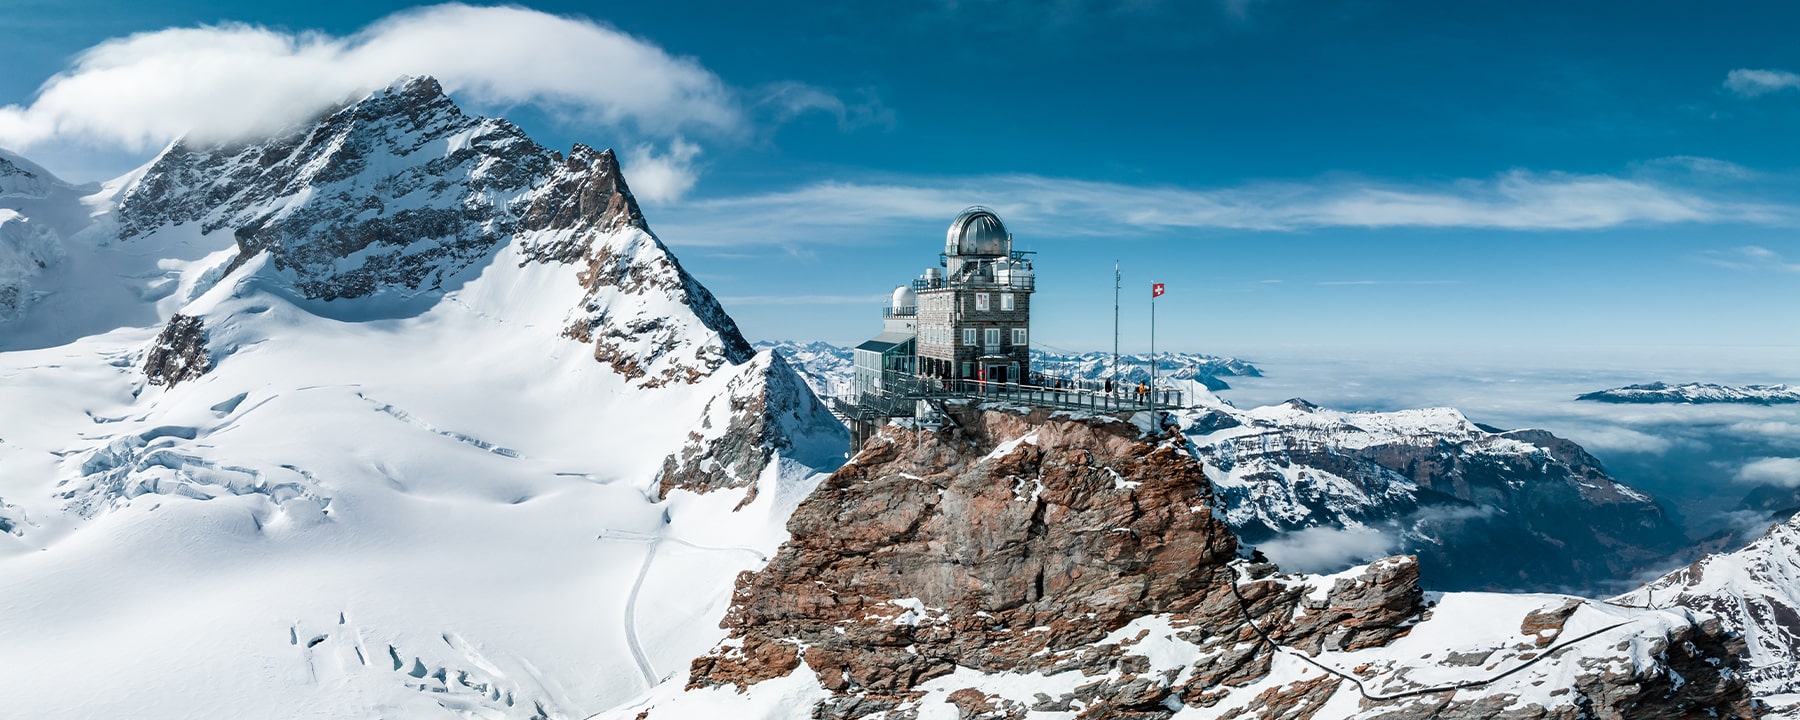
<point>631,638</point>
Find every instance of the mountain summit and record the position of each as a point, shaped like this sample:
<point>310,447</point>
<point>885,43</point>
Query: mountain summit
<point>335,418</point>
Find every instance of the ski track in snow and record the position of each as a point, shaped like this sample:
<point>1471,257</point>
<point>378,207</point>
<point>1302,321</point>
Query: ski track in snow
<point>631,638</point>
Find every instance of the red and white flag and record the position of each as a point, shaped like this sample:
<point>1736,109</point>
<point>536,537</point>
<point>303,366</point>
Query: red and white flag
<point>1156,290</point>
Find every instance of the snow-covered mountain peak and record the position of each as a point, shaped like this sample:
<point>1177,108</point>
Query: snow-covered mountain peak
<point>390,205</point>
<point>21,178</point>
<point>365,402</point>
<point>1754,591</point>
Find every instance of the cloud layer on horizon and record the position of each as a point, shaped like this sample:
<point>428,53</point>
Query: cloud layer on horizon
<point>1060,207</point>
<point>234,80</point>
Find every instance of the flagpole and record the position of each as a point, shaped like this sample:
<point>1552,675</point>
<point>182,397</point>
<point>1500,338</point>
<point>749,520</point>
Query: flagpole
<point>1115,363</point>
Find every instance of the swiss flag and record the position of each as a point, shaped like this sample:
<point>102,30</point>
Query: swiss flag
<point>1156,290</point>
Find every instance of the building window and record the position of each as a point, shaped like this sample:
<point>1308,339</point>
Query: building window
<point>1018,336</point>
<point>993,337</point>
<point>969,337</point>
<point>981,302</point>
<point>1006,302</point>
<point>967,369</point>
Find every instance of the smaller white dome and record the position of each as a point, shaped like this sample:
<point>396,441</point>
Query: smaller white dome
<point>905,298</point>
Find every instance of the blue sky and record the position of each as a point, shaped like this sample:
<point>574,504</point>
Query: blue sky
<point>1371,177</point>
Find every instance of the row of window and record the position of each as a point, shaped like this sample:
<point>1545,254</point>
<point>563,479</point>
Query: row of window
<point>982,303</point>
<point>971,336</point>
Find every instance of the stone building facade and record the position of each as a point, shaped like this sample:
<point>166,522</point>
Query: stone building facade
<point>970,317</point>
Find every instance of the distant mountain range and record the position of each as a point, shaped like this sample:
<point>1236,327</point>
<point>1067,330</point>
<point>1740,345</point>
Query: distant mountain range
<point>828,368</point>
<point>1427,482</point>
<point>1697,394</point>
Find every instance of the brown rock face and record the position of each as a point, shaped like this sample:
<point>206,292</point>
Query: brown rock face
<point>1014,542</point>
<point>179,352</point>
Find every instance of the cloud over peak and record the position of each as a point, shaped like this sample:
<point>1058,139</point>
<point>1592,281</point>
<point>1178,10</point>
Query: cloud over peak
<point>236,80</point>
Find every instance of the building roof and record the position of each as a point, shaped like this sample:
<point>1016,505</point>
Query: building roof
<point>885,342</point>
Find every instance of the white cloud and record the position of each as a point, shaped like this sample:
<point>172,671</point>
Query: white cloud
<point>1751,83</point>
<point>233,80</point>
<point>788,100</point>
<point>1750,258</point>
<point>1060,207</point>
<point>1776,429</point>
<point>1771,471</point>
<point>1700,166</point>
<point>1607,438</point>
<point>662,178</point>
<point>1326,549</point>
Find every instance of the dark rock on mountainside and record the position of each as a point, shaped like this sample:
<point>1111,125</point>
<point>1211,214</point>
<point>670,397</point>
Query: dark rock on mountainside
<point>400,197</point>
<point>587,194</point>
<point>746,427</point>
<point>403,225</point>
<point>1752,591</point>
<point>1019,543</point>
<point>179,352</point>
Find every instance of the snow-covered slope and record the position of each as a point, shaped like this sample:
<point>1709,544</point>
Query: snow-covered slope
<point>1483,509</point>
<point>1754,591</point>
<point>37,212</point>
<point>1697,393</point>
<point>396,415</point>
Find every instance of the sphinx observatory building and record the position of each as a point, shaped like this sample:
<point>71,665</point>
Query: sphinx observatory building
<point>967,319</point>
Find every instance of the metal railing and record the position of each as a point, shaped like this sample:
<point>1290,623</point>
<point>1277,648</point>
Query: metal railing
<point>899,391</point>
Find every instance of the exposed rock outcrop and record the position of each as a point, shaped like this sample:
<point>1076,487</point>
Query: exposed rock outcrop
<point>179,353</point>
<point>1015,549</point>
<point>765,411</point>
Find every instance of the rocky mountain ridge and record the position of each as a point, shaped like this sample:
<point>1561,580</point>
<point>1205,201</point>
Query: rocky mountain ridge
<point>401,195</point>
<point>828,368</point>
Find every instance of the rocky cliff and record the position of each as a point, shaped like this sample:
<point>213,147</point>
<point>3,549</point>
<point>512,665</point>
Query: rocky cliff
<point>1021,562</point>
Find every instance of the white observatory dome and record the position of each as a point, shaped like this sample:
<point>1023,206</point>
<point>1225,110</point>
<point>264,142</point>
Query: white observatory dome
<point>905,298</point>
